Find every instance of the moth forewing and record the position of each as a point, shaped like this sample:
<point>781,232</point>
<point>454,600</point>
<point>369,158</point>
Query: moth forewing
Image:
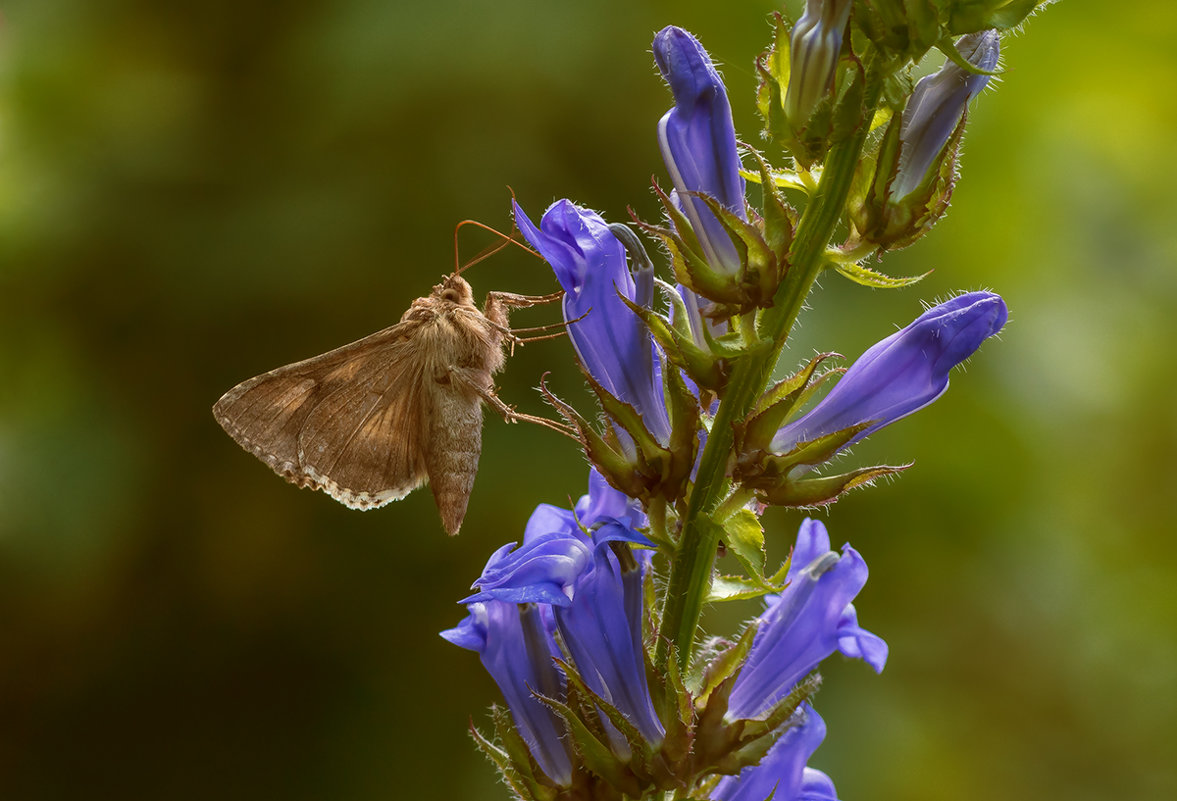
<point>370,422</point>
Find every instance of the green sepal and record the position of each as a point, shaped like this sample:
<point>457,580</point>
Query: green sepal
<point>948,47</point>
<point>780,219</point>
<point>683,409</point>
<point>656,470</point>
<point>686,259</point>
<point>683,231</point>
<point>887,160</point>
<point>603,453</point>
<point>641,753</point>
<point>772,68</point>
<point>728,746</point>
<point>675,708</point>
<point>704,368</point>
<point>626,416</point>
<point>760,273</point>
<point>515,747</point>
<point>744,537</point>
<point>779,403</point>
<point>897,30</point>
<point>714,738</point>
<point>923,26</point>
<point>969,16</point>
<point>757,735</point>
<point>814,451</point>
<point>876,280</point>
<point>890,223</point>
<point>847,114</point>
<point>731,345</point>
<point>738,588</point>
<point>810,492</point>
<point>911,217</point>
<point>728,663</point>
<point>595,754</point>
<point>513,766</point>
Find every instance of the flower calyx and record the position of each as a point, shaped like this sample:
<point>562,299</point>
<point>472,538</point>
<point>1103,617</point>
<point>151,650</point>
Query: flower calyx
<point>905,188</point>
<point>811,87</point>
<point>631,458</point>
<point>760,266</point>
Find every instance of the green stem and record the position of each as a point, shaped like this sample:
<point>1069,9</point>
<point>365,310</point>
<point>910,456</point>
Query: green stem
<point>690,572</point>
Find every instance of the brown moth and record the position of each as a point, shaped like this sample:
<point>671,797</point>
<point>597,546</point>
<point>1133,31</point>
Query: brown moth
<point>370,422</point>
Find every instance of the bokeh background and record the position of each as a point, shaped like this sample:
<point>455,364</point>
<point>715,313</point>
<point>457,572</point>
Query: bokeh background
<point>193,193</point>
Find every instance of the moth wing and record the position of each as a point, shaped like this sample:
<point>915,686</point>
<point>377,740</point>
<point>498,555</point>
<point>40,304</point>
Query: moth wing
<point>348,422</point>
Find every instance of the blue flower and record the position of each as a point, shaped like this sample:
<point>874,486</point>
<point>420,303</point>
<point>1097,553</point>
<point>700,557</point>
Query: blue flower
<point>936,108</point>
<point>594,592</point>
<point>517,650</point>
<point>611,342</point>
<point>814,46</point>
<point>782,774</point>
<point>698,142</point>
<point>903,373</point>
<point>807,622</point>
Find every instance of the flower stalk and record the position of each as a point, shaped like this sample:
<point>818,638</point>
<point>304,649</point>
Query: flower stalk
<point>690,572</point>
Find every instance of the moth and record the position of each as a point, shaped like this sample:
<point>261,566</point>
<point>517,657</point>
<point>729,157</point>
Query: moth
<point>372,421</point>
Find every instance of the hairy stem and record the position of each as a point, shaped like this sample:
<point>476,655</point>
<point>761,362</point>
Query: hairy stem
<point>690,572</point>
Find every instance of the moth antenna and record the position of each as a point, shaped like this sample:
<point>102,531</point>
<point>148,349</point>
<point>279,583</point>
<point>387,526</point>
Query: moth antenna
<point>508,239</point>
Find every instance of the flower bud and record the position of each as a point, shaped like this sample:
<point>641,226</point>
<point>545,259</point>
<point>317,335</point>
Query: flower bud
<point>937,107</point>
<point>698,142</point>
<point>901,374</point>
<point>611,342</point>
<point>916,167</point>
<point>814,46</point>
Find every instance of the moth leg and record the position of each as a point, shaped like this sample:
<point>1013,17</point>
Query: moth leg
<point>468,378</point>
<point>514,301</point>
<point>499,304</point>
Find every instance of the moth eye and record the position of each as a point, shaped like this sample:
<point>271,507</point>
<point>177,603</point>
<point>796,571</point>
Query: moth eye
<point>451,295</point>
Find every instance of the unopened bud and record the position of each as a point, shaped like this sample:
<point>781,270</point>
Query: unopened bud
<point>936,108</point>
<point>814,46</point>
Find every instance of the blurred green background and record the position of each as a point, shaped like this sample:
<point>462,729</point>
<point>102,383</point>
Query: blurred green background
<point>191,194</point>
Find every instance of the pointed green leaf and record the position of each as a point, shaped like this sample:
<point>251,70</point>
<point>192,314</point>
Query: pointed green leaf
<point>778,404</point>
<point>728,664</point>
<point>745,539</point>
<point>608,460</point>
<point>770,721</point>
<point>868,277</point>
<point>641,752</point>
<point>818,450</point>
<point>779,217</point>
<point>827,489</point>
<point>596,755</point>
<point>514,745</point>
<point>502,763</point>
<point>704,368</point>
<point>737,588</point>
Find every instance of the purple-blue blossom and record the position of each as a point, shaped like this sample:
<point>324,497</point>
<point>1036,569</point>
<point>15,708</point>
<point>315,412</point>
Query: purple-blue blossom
<point>903,373</point>
<point>611,341</point>
<point>814,46</point>
<point>936,107</point>
<point>698,142</point>
<point>517,650</point>
<point>594,592</point>
<point>782,773</point>
<point>805,623</point>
